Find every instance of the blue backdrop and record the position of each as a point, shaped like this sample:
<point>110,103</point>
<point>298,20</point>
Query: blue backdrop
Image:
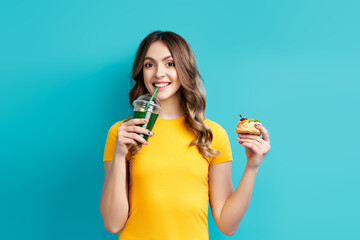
<point>294,65</point>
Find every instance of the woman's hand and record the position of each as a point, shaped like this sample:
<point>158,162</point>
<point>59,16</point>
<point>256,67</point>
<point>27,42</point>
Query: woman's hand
<point>127,135</point>
<point>255,147</point>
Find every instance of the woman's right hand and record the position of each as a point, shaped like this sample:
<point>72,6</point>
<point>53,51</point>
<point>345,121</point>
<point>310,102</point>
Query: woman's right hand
<point>127,135</point>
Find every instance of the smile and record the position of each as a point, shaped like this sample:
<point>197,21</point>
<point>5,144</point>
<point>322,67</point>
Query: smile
<point>161,85</point>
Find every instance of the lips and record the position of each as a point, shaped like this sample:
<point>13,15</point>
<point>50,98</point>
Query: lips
<point>161,84</point>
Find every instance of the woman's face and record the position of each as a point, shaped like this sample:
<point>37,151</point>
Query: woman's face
<point>159,70</point>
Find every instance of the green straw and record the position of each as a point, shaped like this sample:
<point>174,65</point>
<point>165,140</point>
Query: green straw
<point>152,96</point>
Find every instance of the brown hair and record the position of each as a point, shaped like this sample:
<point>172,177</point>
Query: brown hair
<point>192,91</point>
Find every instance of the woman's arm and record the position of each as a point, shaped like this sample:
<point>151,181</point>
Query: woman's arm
<point>114,203</point>
<point>228,206</point>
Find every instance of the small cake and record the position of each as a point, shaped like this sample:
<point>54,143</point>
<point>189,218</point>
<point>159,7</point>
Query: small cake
<point>248,126</point>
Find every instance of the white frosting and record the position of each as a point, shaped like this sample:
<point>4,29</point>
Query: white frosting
<point>251,123</point>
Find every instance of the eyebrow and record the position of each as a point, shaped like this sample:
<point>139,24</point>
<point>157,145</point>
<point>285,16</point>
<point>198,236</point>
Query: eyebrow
<point>167,57</point>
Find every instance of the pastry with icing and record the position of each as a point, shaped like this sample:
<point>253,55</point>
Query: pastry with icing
<point>247,126</point>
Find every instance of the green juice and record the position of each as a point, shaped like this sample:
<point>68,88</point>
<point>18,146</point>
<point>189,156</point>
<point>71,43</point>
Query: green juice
<point>149,116</point>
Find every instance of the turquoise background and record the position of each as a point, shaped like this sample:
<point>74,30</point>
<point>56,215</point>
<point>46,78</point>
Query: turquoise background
<point>294,65</point>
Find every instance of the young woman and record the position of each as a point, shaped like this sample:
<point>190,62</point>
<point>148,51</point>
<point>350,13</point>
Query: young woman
<point>160,188</point>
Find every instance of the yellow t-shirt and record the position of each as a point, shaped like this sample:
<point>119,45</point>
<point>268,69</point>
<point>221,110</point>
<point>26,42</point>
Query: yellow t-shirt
<point>168,186</point>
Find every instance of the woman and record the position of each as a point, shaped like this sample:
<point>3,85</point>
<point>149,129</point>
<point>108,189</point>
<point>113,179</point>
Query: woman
<point>160,188</point>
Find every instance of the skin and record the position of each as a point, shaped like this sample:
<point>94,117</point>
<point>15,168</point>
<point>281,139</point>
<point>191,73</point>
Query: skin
<point>228,205</point>
<point>159,67</point>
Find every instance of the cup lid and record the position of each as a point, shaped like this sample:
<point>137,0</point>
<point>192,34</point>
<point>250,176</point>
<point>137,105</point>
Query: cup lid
<point>146,98</point>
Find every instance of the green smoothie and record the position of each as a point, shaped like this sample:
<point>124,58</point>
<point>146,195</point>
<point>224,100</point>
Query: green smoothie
<point>149,116</point>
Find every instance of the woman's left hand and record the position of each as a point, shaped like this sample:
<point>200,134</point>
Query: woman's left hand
<point>255,147</point>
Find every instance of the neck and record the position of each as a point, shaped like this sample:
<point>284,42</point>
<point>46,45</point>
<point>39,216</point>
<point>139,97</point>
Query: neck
<point>171,108</point>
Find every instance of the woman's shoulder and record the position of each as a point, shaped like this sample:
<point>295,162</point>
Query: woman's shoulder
<point>214,126</point>
<point>220,136</point>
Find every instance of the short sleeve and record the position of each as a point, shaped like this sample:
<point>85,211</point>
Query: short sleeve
<point>221,143</point>
<point>111,142</point>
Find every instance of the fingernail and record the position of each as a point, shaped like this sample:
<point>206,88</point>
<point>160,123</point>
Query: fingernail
<point>149,132</point>
<point>146,120</point>
<point>257,125</point>
<point>241,143</point>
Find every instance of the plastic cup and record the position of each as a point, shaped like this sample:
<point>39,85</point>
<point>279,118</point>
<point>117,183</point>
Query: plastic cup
<point>150,114</point>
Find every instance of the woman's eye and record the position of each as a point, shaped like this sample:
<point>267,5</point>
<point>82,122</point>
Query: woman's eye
<point>171,64</point>
<point>147,65</point>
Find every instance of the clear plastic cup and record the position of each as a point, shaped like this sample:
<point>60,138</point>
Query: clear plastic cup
<point>150,114</point>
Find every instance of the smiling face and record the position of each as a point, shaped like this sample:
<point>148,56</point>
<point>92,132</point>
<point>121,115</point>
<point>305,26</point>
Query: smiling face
<point>159,70</point>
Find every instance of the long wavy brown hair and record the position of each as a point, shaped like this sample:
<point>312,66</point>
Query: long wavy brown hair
<point>192,91</point>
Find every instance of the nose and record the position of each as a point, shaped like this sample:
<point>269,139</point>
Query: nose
<point>160,72</point>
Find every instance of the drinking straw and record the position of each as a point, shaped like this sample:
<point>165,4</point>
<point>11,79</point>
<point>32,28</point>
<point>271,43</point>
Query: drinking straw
<point>152,96</point>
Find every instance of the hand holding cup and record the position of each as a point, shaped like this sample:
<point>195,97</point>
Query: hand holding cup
<point>128,134</point>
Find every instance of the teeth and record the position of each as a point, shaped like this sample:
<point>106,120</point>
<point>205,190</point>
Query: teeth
<point>161,85</point>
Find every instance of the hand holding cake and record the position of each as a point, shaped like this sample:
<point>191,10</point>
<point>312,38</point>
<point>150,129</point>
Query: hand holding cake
<point>256,147</point>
